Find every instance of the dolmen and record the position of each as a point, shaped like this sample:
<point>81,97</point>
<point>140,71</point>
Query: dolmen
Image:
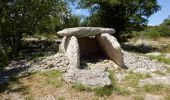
<point>82,42</point>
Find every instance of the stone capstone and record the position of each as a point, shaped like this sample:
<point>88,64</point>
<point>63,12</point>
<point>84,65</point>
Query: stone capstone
<point>85,31</point>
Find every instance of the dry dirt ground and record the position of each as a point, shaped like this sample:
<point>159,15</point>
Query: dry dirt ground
<point>49,86</point>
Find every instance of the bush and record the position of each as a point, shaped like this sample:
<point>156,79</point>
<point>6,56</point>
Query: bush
<point>150,32</point>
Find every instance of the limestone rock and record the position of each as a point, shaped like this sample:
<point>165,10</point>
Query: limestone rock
<point>156,80</point>
<point>71,49</point>
<point>85,31</point>
<point>111,48</point>
<point>90,78</point>
<point>154,54</point>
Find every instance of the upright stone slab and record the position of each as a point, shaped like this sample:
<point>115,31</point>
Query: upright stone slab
<point>111,48</point>
<point>70,46</point>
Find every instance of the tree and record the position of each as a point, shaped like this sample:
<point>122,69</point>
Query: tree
<point>123,15</point>
<point>72,21</point>
<point>164,28</point>
<point>20,17</point>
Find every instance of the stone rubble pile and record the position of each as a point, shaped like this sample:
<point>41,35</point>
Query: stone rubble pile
<point>141,64</point>
<point>57,62</point>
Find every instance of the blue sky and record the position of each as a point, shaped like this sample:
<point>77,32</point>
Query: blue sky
<point>158,17</point>
<point>155,19</point>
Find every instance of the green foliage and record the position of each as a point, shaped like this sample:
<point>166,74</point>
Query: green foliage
<point>73,21</point>
<point>149,32</point>
<point>165,27</point>
<point>123,15</point>
<point>26,17</point>
<point>152,33</point>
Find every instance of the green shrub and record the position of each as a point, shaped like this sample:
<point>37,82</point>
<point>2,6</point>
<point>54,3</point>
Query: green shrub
<point>152,33</point>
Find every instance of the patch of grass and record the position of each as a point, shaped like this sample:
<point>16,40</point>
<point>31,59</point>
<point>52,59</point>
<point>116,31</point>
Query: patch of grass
<point>54,82</point>
<point>61,98</point>
<point>30,97</point>
<point>103,91</point>
<point>121,91</point>
<point>138,97</point>
<point>53,78</point>
<point>167,91</point>
<point>165,49</point>
<point>117,89</point>
<point>168,69</point>
<point>112,78</point>
<point>52,74</point>
<point>159,73</point>
<point>153,88</point>
<point>161,58</point>
<point>132,79</point>
<point>81,87</point>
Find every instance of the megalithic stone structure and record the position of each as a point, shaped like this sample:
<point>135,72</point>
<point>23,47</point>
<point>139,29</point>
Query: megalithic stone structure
<point>90,41</point>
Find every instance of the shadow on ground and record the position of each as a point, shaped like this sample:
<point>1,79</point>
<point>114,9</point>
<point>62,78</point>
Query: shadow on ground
<point>139,48</point>
<point>8,76</point>
<point>40,48</point>
<point>30,51</point>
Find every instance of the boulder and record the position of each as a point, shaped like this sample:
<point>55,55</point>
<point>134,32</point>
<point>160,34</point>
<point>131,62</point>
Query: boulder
<point>85,31</point>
